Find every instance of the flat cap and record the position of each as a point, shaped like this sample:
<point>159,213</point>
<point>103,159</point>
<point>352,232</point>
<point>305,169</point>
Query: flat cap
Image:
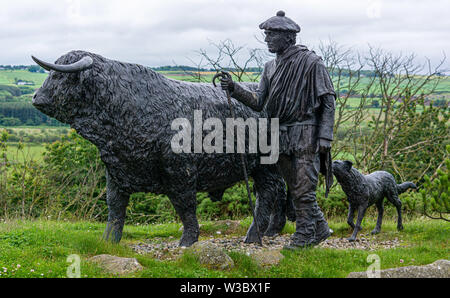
<point>281,23</point>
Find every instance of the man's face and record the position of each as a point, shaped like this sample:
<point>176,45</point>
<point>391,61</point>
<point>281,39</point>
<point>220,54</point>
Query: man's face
<point>276,41</point>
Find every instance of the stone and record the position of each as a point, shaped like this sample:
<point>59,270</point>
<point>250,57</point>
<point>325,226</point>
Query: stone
<point>229,226</point>
<point>267,257</point>
<point>164,249</point>
<point>117,265</point>
<point>438,269</point>
<point>211,256</point>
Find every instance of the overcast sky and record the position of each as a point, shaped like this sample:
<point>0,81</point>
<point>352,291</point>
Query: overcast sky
<point>156,32</point>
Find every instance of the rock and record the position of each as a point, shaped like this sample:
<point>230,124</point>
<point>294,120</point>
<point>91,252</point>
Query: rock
<point>224,227</point>
<point>267,257</point>
<point>117,265</point>
<point>211,256</point>
<point>364,243</point>
<point>165,249</point>
<point>438,269</point>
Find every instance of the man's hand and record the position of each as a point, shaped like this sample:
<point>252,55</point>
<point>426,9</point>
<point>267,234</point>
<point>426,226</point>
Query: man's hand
<point>227,83</point>
<point>324,145</point>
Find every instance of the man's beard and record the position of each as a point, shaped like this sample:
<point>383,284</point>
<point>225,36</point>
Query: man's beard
<point>275,50</point>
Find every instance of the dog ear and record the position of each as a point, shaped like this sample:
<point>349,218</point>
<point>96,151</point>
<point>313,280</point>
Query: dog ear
<point>348,165</point>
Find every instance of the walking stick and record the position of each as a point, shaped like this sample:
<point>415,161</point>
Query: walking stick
<point>243,161</point>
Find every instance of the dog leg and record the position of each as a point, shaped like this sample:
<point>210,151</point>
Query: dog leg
<point>393,198</point>
<point>361,211</point>
<point>380,209</point>
<point>398,205</point>
<point>351,213</point>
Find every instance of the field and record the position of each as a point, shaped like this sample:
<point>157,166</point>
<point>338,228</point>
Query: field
<point>33,139</point>
<point>7,77</point>
<point>30,151</point>
<point>443,89</point>
<point>40,249</point>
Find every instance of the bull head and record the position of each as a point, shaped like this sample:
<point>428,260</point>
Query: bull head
<point>58,95</point>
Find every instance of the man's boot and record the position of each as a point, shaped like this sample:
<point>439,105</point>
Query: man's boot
<point>311,226</point>
<point>323,231</point>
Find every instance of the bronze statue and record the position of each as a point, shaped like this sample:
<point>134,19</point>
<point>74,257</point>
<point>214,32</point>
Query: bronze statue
<point>365,190</point>
<point>127,111</point>
<point>296,88</point>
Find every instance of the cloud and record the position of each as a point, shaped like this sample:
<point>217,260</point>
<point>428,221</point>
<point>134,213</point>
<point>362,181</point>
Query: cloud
<point>160,32</point>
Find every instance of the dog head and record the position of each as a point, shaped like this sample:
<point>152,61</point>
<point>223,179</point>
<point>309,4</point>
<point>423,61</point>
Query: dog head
<point>342,169</point>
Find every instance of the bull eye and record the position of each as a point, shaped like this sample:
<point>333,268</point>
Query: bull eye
<point>74,77</point>
<point>56,75</point>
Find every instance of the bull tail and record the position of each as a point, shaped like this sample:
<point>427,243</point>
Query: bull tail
<point>401,188</point>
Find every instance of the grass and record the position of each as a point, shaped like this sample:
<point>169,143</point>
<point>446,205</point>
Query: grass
<point>30,152</point>
<point>40,249</point>
<point>7,77</point>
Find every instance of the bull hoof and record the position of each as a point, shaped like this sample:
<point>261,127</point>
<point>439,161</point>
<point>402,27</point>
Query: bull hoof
<point>116,237</point>
<point>351,239</point>
<point>112,234</point>
<point>375,232</point>
<point>187,241</point>
<point>271,234</point>
<point>250,239</point>
<point>400,227</point>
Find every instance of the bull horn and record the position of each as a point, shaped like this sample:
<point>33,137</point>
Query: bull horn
<point>83,64</point>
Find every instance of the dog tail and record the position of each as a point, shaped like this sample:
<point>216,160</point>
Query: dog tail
<point>401,188</point>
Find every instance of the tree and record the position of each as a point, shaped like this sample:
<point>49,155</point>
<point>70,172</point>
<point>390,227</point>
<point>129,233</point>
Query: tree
<point>35,68</point>
<point>375,104</point>
<point>436,192</point>
<point>240,61</point>
<point>403,133</point>
<point>10,121</point>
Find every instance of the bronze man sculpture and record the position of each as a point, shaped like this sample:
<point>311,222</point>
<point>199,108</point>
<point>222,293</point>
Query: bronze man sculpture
<point>296,88</point>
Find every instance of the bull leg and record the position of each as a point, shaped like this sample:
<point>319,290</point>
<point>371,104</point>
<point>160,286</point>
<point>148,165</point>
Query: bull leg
<point>117,204</point>
<point>361,211</point>
<point>269,188</point>
<point>280,209</point>
<point>380,209</point>
<point>277,218</point>
<point>263,208</point>
<point>185,203</point>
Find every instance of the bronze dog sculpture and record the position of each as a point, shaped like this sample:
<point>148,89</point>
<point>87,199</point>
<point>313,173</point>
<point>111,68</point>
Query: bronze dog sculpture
<point>365,190</point>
